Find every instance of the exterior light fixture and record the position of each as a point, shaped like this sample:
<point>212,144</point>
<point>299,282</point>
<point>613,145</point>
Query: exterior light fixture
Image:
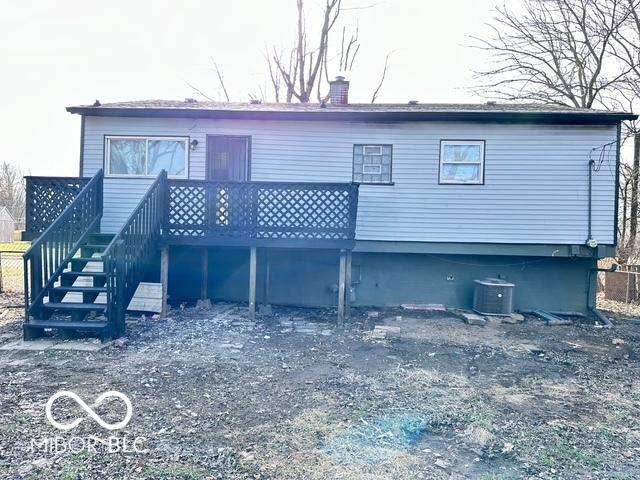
<point>194,144</point>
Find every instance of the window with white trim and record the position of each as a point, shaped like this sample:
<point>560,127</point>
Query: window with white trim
<point>372,163</point>
<point>462,162</point>
<point>129,156</point>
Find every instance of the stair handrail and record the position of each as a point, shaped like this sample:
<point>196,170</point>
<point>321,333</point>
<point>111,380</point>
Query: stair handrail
<point>52,251</point>
<point>124,258</point>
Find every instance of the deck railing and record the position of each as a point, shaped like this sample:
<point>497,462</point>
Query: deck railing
<point>49,255</point>
<point>46,199</point>
<point>261,213</point>
<point>128,255</point>
<point>305,215</point>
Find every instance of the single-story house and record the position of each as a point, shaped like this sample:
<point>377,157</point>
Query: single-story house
<point>318,204</point>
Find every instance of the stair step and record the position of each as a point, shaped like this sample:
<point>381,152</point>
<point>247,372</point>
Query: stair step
<point>77,307</point>
<point>86,259</point>
<point>79,288</point>
<point>100,238</point>
<point>93,246</point>
<point>66,324</point>
<point>84,274</point>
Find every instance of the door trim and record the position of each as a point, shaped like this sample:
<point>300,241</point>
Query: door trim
<point>206,155</point>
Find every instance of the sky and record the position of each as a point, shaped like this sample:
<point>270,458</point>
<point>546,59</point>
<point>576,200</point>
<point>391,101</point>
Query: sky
<point>69,52</point>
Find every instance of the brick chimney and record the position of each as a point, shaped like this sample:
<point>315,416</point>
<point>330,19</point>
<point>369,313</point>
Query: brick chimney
<point>339,91</point>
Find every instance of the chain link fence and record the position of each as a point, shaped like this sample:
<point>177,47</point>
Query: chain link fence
<point>619,291</point>
<point>11,270</point>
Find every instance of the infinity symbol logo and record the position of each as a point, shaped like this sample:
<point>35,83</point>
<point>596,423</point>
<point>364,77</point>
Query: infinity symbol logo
<point>89,410</point>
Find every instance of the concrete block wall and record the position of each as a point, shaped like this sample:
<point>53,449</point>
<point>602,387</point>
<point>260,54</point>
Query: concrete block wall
<point>309,277</point>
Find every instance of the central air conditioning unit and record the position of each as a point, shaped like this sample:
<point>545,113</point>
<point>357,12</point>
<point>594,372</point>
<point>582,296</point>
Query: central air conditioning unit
<point>493,296</point>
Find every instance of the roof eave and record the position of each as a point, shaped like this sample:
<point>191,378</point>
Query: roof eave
<point>580,118</point>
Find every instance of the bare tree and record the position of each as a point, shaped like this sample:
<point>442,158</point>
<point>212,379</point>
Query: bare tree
<point>301,69</point>
<point>555,52</point>
<point>275,79</point>
<point>12,193</point>
<point>374,97</point>
<point>578,53</point>
<point>307,66</point>
<point>221,83</point>
<point>625,47</point>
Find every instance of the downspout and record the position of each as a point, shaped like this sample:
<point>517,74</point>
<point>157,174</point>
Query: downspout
<point>591,164</point>
<point>591,242</point>
<point>592,307</point>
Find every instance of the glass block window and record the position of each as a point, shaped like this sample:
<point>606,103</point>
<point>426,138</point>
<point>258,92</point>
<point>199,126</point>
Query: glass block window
<point>372,163</point>
<point>146,156</point>
<point>462,162</point>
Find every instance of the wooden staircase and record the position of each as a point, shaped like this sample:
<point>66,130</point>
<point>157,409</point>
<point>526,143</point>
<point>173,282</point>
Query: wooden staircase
<point>76,302</point>
<point>79,281</point>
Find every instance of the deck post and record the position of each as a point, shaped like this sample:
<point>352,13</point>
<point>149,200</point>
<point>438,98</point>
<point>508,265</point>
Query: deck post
<point>341,286</point>
<point>347,293</point>
<point>267,276</point>
<point>253,259</point>
<point>164,278</point>
<point>204,291</point>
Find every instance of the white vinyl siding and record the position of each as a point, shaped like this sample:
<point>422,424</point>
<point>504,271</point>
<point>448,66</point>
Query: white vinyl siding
<point>535,181</point>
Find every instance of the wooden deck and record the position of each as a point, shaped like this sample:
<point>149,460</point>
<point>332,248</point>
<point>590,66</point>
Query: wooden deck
<point>263,214</point>
<point>64,214</point>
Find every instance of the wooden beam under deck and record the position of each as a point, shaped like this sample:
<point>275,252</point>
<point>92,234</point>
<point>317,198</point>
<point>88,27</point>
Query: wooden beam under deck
<point>253,260</point>
<point>342,280</point>
<point>177,240</point>
<point>164,277</point>
<point>347,293</point>
<point>204,290</point>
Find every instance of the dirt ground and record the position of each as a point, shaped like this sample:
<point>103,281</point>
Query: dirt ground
<point>290,397</point>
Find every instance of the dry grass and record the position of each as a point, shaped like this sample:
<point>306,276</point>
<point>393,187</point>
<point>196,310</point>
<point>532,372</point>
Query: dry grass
<point>11,265</point>
<point>19,247</point>
<point>618,309</point>
<point>503,401</point>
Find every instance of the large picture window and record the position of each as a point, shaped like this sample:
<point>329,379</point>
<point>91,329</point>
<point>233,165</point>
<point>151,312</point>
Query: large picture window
<point>146,156</point>
<point>462,162</point>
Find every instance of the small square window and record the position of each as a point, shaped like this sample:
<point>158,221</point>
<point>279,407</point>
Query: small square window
<point>372,164</point>
<point>462,162</point>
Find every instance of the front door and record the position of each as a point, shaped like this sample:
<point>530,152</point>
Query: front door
<point>227,158</point>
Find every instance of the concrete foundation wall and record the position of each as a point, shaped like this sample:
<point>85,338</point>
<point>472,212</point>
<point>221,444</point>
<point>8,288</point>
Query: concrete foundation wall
<point>309,277</point>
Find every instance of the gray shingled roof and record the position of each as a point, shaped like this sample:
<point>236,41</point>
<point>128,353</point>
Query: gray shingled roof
<point>354,111</point>
<point>353,107</point>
